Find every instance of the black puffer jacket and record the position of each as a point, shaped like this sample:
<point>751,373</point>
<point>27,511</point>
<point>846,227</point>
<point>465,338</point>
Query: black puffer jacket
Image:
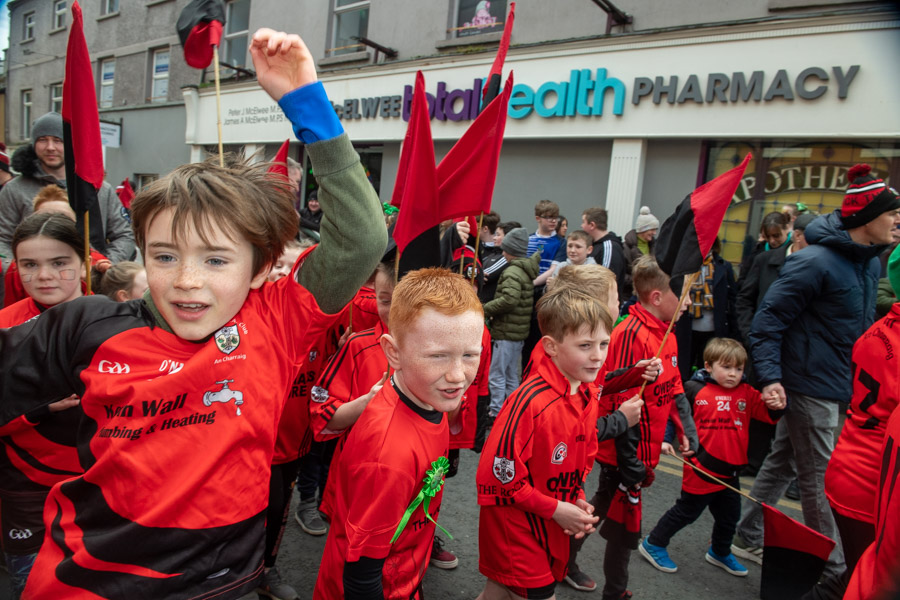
<point>823,300</point>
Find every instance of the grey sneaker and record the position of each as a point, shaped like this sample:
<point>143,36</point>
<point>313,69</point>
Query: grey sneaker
<point>741,548</point>
<point>273,587</point>
<point>310,520</point>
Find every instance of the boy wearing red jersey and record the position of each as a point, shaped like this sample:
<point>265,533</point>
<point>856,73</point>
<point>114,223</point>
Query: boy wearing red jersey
<point>532,469</point>
<point>723,406</point>
<point>373,550</point>
<point>627,463</point>
<point>177,389</point>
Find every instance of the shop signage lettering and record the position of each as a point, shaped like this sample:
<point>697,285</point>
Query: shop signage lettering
<point>254,115</point>
<point>588,93</point>
<point>829,178</point>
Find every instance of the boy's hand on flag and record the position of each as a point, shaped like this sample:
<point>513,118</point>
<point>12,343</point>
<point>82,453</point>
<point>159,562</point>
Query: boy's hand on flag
<point>574,520</point>
<point>282,61</point>
<point>652,368</point>
<point>463,230</point>
<point>631,408</point>
<point>667,448</point>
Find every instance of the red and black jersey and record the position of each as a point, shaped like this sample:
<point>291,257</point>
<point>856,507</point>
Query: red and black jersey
<point>144,515</point>
<point>365,310</point>
<point>851,480</point>
<point>351,373</point>
<point>468,416</point>
<point>875,576</point>
<point>722,417</point>
<point>636,338</point>
<point>37,451</point>
<point>539,452</point>
<point>294,432</point>
<point>386,457</point>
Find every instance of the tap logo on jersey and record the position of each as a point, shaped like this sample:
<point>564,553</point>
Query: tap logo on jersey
<point>224,395</point>
<point>228,339</point>
<point>318,394</point>
<point>559,453</point>
<point>504,469</point>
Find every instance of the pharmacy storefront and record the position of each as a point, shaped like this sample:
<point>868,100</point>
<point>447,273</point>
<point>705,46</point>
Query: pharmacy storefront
<point>631,120</point>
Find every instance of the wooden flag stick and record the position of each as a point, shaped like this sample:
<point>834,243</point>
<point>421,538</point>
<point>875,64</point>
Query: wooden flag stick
<point>477,241</point>
<point>397,267</point>
<point>685,290</point>
<point>87,251</point>
<point>350,326</point>
<point>218,105</point>
<point>716,479</point>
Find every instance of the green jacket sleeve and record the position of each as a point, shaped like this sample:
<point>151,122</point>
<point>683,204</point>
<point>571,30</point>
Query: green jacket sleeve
<point>885,298</point>
<point>353,235</point>
<point>506,297</point>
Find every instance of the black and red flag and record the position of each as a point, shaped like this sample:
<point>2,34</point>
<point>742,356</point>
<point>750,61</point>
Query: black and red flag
<point>81,135</point>
<point>794,556</point>
<point>492,85</point>
<point>200,27</point>
<point>688,235</point>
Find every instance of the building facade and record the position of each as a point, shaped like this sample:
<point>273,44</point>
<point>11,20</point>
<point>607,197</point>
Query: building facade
<point>623,110</point>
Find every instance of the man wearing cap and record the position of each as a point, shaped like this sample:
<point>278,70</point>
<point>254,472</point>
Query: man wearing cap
<point>43,163</point>
<point>801,341</point>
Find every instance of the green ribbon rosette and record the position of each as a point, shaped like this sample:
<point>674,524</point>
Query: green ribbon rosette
<point>431,485</point>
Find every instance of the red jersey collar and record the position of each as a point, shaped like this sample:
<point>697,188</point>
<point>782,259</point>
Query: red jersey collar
<point>646,317</point>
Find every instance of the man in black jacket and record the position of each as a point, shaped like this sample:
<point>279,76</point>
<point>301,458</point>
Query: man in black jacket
<point>801,340</point>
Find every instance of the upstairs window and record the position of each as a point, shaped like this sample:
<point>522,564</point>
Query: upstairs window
<point>107,82</point>
<point>474,17</point>
<point>351,19</point>
<point>59,14</point>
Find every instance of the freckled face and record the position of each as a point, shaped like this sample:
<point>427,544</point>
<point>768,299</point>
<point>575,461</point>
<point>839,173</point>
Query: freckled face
<point>438,358</point>
<point>198,287</point>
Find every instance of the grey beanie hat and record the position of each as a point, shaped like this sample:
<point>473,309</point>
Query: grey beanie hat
<point>645,221</point>
<point>516,242</point>
<point>48,124</point>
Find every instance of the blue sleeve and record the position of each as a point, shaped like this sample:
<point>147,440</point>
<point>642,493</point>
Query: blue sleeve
<point>799,282</point>
<point>311,113</point>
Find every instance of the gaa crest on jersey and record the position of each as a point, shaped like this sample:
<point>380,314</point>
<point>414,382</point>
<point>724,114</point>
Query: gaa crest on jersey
<point>318,394</point>
<point>675,360</point>
<point>741,405</point>
<point>228,339</point>
<point>313,355</point>
<point>559,453</point>
<point>504,469</point>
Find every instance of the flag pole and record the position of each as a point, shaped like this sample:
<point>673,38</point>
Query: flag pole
<point>218,104</point>
<point>685,290</point>
<point>477,241</point>
<point>716,479</point>
<point>87,251</point>
<point>397,268</point>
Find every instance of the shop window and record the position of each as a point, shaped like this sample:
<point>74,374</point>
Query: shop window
<point>28,27</point>
<point>159,76</point>
<point>59,14</point>
<point>26,114</point>
<point>813,174</point>
<point>351,20</point>
<point>56,92</point>
<point>145,179</point>
<point>475,17</point>
<point>109,7</point>
<point>107,82</point>
<point>237,32</point>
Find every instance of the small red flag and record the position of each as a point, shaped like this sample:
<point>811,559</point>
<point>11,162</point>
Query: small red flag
<point>794,556</point>
<point>81,133</point>
<point>279,163</point>
<point>416,190</point>
<point>687,236</point>
<point>125,193</point>
<point>200,28</point>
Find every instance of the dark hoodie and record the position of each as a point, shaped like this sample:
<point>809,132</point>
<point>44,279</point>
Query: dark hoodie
<point>609,253</point>
<point>823,300</point>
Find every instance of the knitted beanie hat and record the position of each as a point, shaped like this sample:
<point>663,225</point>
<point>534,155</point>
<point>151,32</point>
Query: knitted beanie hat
<point>866,198</point>
<point>645,221</point>
<point>48,124</point>
<point>516,242</point>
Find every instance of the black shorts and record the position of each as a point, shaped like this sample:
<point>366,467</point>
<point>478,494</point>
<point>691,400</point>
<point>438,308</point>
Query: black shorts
<point>538,593</point>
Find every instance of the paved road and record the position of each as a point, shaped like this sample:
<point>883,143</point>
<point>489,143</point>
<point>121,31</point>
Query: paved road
<point>301,553</point>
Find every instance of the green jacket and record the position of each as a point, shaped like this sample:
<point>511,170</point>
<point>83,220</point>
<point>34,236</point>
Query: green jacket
<point>885,298</point>
<point>511,308</point>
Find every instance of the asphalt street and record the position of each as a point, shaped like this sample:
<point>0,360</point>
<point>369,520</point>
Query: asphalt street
<point>300,554</point>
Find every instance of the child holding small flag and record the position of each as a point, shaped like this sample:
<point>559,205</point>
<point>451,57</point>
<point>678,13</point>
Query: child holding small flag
<point>723,406</point>
<point>387,487</point>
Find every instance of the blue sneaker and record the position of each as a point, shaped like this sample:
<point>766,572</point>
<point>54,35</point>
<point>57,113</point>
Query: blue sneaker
<point>657,556</point>
<point>729,563</point>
